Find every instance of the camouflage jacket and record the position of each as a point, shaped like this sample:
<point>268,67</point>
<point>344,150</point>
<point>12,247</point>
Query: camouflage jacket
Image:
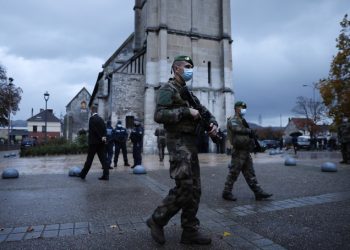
<point>238,134</point>
<point>173,111</point>
<point>344,132</point>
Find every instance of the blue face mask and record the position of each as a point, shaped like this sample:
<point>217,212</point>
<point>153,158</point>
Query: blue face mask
<point>243,112</point>
<point>187,74</point>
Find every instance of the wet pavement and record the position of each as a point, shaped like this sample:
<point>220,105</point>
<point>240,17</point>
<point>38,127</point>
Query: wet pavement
<point>47,209</point>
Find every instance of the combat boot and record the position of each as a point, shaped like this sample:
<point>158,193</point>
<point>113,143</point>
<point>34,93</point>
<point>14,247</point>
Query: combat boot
<point>157,231</point>
<point>228,196</point>
<point>195,237</point>
<point>262,195</point>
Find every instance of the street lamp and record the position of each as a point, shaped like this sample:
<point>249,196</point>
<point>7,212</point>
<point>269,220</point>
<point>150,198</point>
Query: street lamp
<point>10,101</point>
<point>46,97</point>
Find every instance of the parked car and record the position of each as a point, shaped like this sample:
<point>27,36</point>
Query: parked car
<point>303,142</point>
<point>28,142</point>
<point>271,144</point>
<point>262,146</point>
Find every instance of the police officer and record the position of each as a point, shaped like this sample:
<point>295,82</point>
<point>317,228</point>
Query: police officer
<point>120,138</point>
<point>180,121</point>
<point>241,138</point>
<point>109,143</point>
<point>344,139</point>
<point>161,142</point>
<point>136,137</point>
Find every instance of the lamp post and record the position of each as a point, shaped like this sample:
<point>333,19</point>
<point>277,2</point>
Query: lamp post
<point>10,84</point>
<point>46,97</point>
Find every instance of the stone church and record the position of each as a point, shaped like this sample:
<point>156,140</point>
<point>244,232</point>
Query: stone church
<point>126,87</point>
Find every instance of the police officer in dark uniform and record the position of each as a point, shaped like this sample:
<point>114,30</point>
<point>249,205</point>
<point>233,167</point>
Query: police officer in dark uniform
<point>136,137</point>
<point>241,138</point>
<point>180,121</point>
<point>110,143</point>
<point>120,138</point>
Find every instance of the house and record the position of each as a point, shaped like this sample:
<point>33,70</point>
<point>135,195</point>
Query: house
<point>36,125</point>
<point>77,115</point>
<point>127,86</point>
<point>301,126</point>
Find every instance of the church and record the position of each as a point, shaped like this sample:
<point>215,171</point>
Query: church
<point>127,86</point>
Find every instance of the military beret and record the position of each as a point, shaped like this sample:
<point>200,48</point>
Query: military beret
<point>183,59</point>
<point>240,104</point>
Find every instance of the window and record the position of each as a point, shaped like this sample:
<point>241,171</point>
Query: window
<point>35,128</point>
<point>43,128</point>
<point>209,72</point>
<point>129,122</point>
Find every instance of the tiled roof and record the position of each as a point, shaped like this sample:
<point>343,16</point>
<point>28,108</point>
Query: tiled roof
<point>41,117</point>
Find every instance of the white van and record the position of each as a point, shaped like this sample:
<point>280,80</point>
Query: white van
<point>304,142</point>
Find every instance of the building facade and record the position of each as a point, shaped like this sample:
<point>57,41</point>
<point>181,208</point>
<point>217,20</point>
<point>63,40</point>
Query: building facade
<point>37,129</point>
<point>127,86</point>
<point>77,115</point>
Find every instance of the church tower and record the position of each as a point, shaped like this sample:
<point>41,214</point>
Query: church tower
<point>164,29</point>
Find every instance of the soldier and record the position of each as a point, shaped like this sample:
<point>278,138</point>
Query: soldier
<point>110,143</point>
<point>241,138</point>
<point>344,139</point>
<point>120,138</point>
<point>161,142</point>
<point>180,121</point>
<point>136,137</point>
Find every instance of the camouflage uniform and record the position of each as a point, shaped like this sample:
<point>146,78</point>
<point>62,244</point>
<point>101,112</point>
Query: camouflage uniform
<point>242,145</point>
<point>344,139</point>
<point>174,113</point>
<point>161,142</point>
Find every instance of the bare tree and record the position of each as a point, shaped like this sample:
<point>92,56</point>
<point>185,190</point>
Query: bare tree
<point>311,110</point>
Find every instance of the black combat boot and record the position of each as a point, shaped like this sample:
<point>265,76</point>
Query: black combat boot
<point>262,195</point>
<point>195,237</point>
<point>157,231</point>
<point>228,196</point>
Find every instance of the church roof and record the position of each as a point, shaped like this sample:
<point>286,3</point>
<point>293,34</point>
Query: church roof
<point>83,89</point>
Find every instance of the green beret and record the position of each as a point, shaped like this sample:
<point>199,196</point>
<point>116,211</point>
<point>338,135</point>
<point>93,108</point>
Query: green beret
<point>240,104</point>
<point>183,59</point>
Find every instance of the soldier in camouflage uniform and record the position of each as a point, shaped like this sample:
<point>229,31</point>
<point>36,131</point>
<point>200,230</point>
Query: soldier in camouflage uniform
<point>241,138</point>
<point>180,121</point>
<point>161,142</point>
<point>344,139</point>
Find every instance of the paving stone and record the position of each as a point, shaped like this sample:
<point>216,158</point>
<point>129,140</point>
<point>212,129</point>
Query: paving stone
<point>97,230</point>
<point>81,231</point>
<point>19,230</point>
<point>50,233</point>
<point>6,230</point>
<point>67,226</point>
<point>239,243</point>
<point>32,235</point>
<point>15,237</point>
<point>81,225</point>
<point>3,237</point>
<point>123,220</point>
<point>52,227</point>
<point>37,228</point>
<point>262,242</point>
<point>126,227</point>
<point>65,232</point>
<point>273,247</point>
<point>140,226</point>
<point>228,223</point>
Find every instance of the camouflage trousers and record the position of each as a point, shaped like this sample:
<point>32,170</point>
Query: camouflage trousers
<point>184,168</point>
<point>241,161</point>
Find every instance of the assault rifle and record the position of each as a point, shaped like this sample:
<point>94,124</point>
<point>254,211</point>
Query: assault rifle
<point>257,147</point>
<point>204,113</point>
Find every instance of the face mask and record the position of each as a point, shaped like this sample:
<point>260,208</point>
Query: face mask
<point>119,125</point>
<point>187,74</point>
<point>243,112</point>
<point>345,119</point>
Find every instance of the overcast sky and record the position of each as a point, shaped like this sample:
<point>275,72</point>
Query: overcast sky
<point>60,46</point>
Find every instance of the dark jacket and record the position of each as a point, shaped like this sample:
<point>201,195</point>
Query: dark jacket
<point>97,129</point>
<point>136,134</point>
<point>120,134</point>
